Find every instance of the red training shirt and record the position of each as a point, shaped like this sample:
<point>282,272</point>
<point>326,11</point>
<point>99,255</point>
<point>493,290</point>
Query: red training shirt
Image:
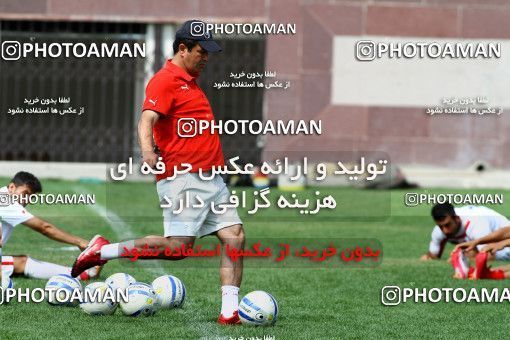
<point>174,94</point>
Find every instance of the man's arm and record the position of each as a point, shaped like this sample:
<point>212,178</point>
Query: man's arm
<point>494,247</point>
<point>436,246</point>
<point>54,233</point>
<point>429,256</point>
<point>496,236</point>
<point>145,138</point>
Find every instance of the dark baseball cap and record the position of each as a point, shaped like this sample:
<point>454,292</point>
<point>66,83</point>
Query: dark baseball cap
<point>197,30</point>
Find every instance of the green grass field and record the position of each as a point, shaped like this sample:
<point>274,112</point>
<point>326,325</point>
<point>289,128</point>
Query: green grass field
<point>314,302</point>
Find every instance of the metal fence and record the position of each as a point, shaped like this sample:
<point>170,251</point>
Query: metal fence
<point>104,87</point>
<point>236,103</point>
<point>108,90</point>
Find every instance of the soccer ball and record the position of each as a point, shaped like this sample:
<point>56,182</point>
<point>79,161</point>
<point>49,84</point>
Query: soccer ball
<point>60,289</point>
<point>142,300</point>
<point>258,308</point>
<point>120,280</point>
<point>99,303</point>
<point>170,291</point>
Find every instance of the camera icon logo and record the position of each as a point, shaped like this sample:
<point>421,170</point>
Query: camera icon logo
<point>11,50</point>
<point>186,127</point>
<point>411,199</point>
<point>391,295</point>
<point>365,50</point>
<point>5,200</point>
<point>197,29</point>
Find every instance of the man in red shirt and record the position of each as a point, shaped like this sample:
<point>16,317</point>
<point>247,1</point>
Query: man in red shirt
<point>173,106</point>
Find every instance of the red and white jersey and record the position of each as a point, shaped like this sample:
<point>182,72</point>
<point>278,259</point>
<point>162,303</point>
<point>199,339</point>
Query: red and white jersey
<point>178,99</point>
<point>476,222</point>
<point>10,216</point>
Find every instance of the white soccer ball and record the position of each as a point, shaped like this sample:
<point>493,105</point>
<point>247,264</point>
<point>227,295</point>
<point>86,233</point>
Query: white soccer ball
<point>120,280</point>
<point>170,291</point>
<point>63,290</point>
<point>258,308</point>
<point>99,299</point>
<point>142,300</point>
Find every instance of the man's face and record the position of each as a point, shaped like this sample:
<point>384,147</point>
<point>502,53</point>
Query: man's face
<point>449,225</point>
<point>194,60</point>
<point>22,191</point>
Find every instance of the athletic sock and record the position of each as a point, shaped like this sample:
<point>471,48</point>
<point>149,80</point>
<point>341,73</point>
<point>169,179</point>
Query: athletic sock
<point>229,300</point>
<point>114,250</point>
<point>44,270</point>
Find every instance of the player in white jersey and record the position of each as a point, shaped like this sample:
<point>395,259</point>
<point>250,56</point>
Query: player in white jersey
<point>461,224</point>
<point>12,213</point>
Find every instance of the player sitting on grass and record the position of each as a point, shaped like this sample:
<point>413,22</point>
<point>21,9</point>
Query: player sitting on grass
<point>495,242</point>
<point>458,225</point>
<point>13,213</point>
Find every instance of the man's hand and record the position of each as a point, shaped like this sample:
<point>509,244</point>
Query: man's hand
<point>426,257</point>
<point>429,256</point>
<point>466,246</point>
<point>83,244</point>
<point>150,157</point>
<point>492,248</point>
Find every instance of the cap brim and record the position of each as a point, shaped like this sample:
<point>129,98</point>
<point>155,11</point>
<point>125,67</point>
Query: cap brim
<point>210,45</point>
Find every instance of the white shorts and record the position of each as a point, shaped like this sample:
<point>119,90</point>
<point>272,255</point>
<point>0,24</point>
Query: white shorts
<point>195,221</point>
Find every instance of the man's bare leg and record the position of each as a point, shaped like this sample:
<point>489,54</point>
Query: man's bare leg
<point>24,265</point>
<point>115,250</point>
<point>231,272</point>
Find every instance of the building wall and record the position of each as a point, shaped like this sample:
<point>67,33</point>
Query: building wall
<point>398,124</point>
